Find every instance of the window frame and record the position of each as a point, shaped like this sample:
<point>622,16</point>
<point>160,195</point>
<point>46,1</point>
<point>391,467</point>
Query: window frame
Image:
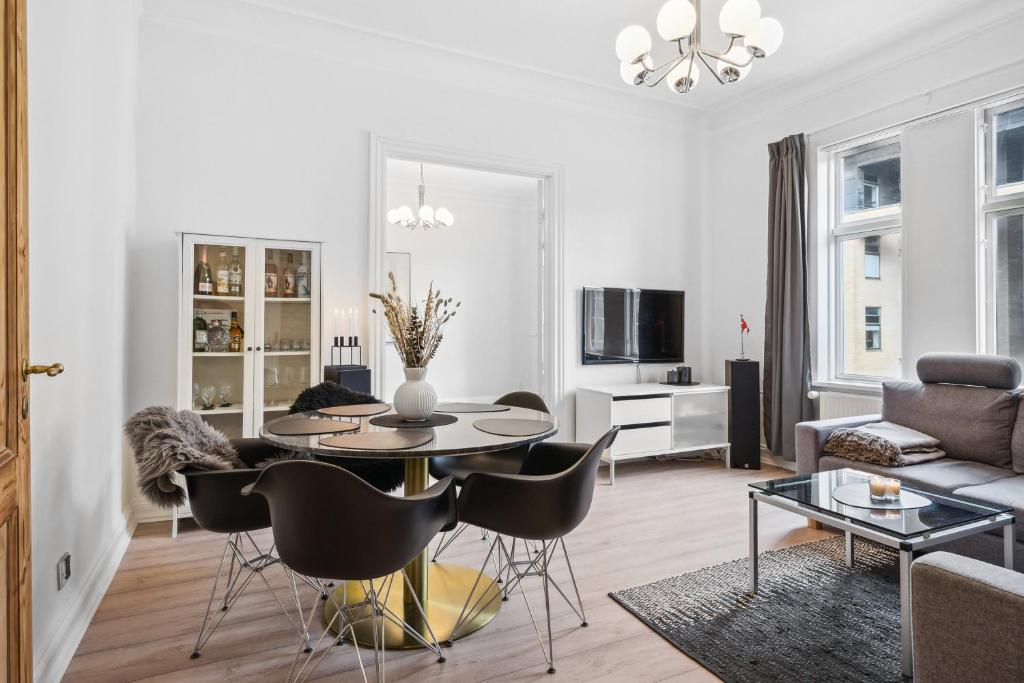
<point>842,227</point>
<point>993,203</point>
<point>992,193</point>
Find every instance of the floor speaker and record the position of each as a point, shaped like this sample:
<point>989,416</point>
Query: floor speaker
<point>744,380</point>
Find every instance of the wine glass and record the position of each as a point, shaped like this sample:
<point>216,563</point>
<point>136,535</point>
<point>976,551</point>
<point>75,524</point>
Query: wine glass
<point>224,395</point>
<point>206,397</point>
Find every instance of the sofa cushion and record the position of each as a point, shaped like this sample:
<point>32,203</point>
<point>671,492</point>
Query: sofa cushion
<point>1008,491</point>
<point>1017,445</point>
<point>939,476</point>
<point>998,372</point>
<point>973,423</point>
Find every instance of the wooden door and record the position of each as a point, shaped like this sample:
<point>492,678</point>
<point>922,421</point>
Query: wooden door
<point>15,542</point>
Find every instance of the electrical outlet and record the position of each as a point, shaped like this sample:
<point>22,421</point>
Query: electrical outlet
<point>63,570</point>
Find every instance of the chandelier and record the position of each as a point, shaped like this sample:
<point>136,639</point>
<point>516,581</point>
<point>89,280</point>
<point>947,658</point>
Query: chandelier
<point>679,23</point>
<point>425,217</point>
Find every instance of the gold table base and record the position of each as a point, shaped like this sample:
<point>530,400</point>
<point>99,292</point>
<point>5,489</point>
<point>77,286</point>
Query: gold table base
<point>448,585</point>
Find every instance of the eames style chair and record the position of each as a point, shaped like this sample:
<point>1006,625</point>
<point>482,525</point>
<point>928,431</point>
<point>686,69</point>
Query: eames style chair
<point>316,512</point>
<point>543,507</point>
<point>218,506</point>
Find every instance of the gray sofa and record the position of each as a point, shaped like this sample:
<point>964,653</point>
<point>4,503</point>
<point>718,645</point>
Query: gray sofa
<point>972,404</point>
<point>968,621</point>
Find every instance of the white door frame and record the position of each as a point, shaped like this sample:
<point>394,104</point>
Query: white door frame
<point>552,329</point>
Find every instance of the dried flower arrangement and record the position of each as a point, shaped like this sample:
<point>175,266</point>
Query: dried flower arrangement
<point>416,335</point>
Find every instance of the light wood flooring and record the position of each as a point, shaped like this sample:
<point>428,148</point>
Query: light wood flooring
<point>660,519</point>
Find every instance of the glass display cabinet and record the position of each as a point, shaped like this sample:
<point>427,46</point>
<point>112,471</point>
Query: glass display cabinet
<point>249,328</point>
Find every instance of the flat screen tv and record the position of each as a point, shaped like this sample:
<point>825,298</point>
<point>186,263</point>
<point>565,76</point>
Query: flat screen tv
<point>632,325</point>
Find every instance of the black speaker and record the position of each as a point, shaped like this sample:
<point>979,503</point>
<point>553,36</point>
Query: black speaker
<point>744,380</point>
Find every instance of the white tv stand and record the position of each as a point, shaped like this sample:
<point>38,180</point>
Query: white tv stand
<point>656,419</point>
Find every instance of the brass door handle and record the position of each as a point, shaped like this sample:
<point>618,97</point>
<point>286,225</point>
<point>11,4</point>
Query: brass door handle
<point>48,370</point>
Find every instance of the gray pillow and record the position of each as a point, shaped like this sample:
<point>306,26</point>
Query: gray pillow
<point>973,423</point>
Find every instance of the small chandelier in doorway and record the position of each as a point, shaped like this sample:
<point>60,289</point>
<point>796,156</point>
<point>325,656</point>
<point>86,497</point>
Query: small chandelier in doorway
<point>426,217</point>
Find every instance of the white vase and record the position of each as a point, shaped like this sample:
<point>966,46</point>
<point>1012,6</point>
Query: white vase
<point>415,399</point>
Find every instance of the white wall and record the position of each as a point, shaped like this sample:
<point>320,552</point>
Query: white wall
<point>81,116</point>
<point>489,261</point>
<point>851,102</point>
<point>254,122</point>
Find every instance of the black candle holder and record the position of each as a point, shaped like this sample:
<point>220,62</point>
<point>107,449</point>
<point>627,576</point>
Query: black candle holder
<point>349,344</point>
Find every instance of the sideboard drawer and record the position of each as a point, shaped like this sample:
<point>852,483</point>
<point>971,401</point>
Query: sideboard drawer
<point>641,410</point>
<point>643,440</point>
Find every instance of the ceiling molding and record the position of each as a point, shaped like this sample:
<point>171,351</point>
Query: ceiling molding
<point>275,6</point>
<point>800,89</point>
<point>211,18</point>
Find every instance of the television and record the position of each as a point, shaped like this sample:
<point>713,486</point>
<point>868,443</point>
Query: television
<point>632,325</point>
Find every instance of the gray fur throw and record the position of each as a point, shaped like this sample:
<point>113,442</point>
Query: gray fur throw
<point>883,443</point>
<point>165,441</point>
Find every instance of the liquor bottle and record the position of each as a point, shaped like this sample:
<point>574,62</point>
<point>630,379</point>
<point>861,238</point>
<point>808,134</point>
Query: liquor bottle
<point>218,338</point>
<point>204,281</point>
<point>235,275</point>
<point>223,275</point>
<point>199,328</point>
<point>270,280</point>
<point>302,278</point>
<point>288,278</point>
<point>237,333</point>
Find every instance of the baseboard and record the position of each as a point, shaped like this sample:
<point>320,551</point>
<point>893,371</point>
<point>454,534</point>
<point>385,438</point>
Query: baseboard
<point>60,644</point>
<point>144,511</point>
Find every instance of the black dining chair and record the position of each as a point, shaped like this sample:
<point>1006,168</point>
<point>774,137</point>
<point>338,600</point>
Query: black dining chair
<point>543,507</point>
<point>314,513</point>
<point>387,474</point>
<point>508,461</point>
<point>218,506</point>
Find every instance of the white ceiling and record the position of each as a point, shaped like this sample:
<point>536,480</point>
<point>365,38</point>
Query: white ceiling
<point>575,38</point>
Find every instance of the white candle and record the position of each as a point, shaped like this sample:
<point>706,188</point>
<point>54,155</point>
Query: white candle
<point>336,322</point>
<point>355,321</point>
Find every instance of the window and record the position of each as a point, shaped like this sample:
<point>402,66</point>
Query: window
<point>865,249</point>
<point>1008,156</point>
<point>1008,270</point>
<point>870,181</point>
<point>873,328</point>
<point>1004,231</point>
<point>872,258</point>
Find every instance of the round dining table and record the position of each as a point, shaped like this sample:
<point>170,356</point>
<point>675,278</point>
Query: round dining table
<point>441,588</point>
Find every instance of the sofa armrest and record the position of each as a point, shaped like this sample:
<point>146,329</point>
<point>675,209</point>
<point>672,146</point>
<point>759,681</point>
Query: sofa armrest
<point>811,438</point>
<point>968,620</point>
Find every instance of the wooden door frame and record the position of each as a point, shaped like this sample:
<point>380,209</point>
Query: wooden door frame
<point>15,314</point>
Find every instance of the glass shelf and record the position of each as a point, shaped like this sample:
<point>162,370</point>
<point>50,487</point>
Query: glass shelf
<point>287,300</point>
<point>217,354</point>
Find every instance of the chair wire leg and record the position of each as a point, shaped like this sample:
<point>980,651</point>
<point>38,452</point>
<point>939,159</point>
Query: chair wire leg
<point>472,592</point>
<point>433,644</point>
<point>575,587</point>
<point>547,609</point>
<point>447,538</point>
<point>200,640</point>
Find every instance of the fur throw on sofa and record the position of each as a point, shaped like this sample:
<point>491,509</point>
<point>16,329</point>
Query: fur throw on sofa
<point>384,474</point>
<point>883,443</point>
<point>165,441</point>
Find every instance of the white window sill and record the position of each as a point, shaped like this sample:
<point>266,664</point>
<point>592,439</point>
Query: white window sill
<point>848,386</point>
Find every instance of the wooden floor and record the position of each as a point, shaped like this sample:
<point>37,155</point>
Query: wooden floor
<point>660,519</point>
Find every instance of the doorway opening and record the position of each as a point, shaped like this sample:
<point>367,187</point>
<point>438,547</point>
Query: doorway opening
<point>500,256</point>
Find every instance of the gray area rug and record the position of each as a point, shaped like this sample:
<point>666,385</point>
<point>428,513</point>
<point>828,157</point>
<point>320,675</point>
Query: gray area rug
<point>813,619</point>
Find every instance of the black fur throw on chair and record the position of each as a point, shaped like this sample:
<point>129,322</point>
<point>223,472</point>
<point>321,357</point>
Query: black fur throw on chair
<point>385,474</point>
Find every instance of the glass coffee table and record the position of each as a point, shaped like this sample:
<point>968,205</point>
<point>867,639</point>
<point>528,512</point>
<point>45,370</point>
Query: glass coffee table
<point>946,518</point>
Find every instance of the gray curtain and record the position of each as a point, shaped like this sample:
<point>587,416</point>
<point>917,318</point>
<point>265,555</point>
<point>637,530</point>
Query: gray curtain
<point>787,346</point>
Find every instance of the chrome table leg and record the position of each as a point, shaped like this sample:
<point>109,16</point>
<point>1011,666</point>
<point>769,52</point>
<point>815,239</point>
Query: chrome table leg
<point>906,626</point>
<point>753,543</point>
<point>849,549</point>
